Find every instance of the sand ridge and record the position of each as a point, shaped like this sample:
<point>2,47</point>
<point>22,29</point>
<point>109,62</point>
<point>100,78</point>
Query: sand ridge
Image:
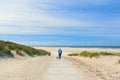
<point>24,69</point>
<point>103,68</point>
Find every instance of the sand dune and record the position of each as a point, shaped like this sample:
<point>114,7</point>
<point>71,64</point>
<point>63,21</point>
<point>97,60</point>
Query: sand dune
<point>27,68</point>
<point>24,68</point>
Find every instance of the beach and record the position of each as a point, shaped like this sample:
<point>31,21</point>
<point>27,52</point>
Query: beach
<point>24,68</point>
<point>34,68</point>
<point>60,40</point>
<point>102,68</point>
<point>68,50</point>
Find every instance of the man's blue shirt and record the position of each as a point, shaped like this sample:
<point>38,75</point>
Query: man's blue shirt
<point>59,51</point>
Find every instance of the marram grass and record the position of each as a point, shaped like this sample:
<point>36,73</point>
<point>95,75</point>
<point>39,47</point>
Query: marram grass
<point>6,47</point>
<point>92,54</point>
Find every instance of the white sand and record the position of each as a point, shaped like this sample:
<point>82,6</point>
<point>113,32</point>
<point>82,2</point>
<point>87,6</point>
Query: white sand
<point>102,68</point>
<point>24,68</point>
<point>66,50</point>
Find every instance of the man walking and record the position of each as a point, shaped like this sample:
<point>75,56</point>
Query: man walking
<point>59,53</point>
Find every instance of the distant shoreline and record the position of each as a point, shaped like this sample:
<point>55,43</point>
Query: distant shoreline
<point>111,47</point>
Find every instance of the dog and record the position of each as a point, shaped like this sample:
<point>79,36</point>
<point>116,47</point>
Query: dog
<point>57,57</point>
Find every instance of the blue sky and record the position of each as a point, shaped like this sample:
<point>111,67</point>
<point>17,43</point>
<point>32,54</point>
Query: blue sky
<point>61,23</point>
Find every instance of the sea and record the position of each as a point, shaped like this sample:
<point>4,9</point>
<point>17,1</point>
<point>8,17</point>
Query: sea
<point>116,47</point>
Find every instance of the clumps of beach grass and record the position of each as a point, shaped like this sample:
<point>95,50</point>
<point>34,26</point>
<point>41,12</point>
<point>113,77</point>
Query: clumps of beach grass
<point>91,54</point>
<point>19,52</point>
<point>6,47</point>
<point>74,54</point>
<point>94,54</point>
<point>119,61</point>
<point>4,50</point>
<point>1,54</point>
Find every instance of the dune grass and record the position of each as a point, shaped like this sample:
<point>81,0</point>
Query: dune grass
<point>119,61</point>
<point>91,54</point>
<point>19,52</point>
<point>94,54</point>
<point>6,47</point>
<point>74,54</point>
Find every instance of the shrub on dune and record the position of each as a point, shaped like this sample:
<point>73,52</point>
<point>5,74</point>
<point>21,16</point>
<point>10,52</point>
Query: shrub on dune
<point>88,54</point>
<point>6,47</point>
<point>74,54</point>
<point>92,54</point>
<point>1,53</point>
<point>119,61</point>
<point>19,52</point>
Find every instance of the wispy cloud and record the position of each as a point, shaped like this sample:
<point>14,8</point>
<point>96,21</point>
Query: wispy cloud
<point>49,17</point>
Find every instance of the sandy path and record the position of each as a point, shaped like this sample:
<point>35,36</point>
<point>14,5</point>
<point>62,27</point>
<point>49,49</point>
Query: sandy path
<point>62,70</point>
<point>24,69</point>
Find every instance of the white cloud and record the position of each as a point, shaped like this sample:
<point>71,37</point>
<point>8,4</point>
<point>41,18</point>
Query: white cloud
<point>31,17</point>
<point>66,43</point>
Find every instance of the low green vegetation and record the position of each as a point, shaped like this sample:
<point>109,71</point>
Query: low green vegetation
<point>1,54</point>
<point>94,54</point>
<point>6,47</point>
<point>74,54</point>
<point>91,54</point>
<point>19,52</point>
<point>119,61</point>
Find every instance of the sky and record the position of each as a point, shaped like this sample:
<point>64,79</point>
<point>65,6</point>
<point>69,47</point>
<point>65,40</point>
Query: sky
<point>61,22</point>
